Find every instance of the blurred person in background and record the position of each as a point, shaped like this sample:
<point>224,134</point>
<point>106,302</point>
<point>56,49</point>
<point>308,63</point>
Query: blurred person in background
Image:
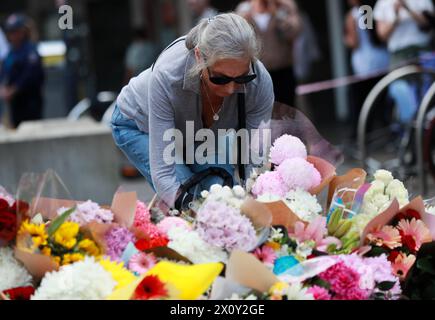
<point>22,74</point>
<point>140,54</point>
<point>4,50</point>
<point>201,9</point>
<point>403,25</point>
<point>369,55</point>
<point>278,24</point>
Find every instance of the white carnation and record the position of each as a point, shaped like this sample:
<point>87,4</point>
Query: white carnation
<point>84,280</point>
<point>385,176</point>
<point>190,245</point>
<point>12,273</point>
<point>396,189</point>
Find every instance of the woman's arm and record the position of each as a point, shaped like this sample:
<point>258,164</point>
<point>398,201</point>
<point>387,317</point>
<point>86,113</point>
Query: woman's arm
<point>161,121</point>
<point>350,32</point>
<point>291,24</point>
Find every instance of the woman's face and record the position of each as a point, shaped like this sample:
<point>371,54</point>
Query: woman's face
<point>226,68</point>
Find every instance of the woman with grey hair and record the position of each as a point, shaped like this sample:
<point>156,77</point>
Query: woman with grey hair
<point>193,91</point>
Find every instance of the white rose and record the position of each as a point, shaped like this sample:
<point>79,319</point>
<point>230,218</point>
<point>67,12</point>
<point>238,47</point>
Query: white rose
<point>385,176</point>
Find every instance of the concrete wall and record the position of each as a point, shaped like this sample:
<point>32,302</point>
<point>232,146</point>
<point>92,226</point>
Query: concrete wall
<point>82,153</point>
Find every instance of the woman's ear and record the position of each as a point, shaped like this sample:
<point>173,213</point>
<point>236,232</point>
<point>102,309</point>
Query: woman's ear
<point>197,55</point>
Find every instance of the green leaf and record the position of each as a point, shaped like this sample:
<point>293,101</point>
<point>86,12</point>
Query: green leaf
<point>56,223</point>
<point>386,285</point>
<point>426,265</point>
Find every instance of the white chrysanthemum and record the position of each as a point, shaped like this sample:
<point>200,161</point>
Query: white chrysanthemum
<point>385,176</point>
<point>303,204</point>
<point>84,280</point>
<point>360,221</point>
<point>12,273</point>
<point>232,197</point>
<point>239,192</point>
<point>268,198</point>
<point>190,245</point>
<point>297,292</point>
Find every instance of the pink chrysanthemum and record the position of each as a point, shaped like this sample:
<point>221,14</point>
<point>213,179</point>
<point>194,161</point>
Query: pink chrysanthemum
<point>299,173</point>
<point>415,229</point>
<point>270,183</point>
<point>166,224</point>
<point>117,239</point>
<point>319,293</point>
<point>141,262</point>
<point>287,147</point>
<point>266,255</point>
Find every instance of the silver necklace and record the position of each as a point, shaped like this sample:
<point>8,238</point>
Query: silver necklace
<point>215,114</point>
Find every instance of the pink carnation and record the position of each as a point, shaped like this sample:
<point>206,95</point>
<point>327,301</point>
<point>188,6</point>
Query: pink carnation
<point>319,293</point>
<point>344,282</point>
<point>299,173</point>
<point>166,224</point>
<point>287,147</point>
<point>142,215</point>
<point>270,183</point>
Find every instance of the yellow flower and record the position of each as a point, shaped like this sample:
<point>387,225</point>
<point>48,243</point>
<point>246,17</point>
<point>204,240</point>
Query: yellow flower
<point>56,260</point>
<point>37,232</point>
<point>122,276</point>
<point>90,247</point>
<point>278,288</point>
<point>71,258</point>
<point>46,251</point>
<point>66,234</point>
<point>273,245</point>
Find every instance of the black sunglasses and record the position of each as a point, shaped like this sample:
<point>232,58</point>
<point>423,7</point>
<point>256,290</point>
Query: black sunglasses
<point>223,80</point>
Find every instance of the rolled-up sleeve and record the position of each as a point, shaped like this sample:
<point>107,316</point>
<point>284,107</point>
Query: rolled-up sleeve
<point>161,119</point>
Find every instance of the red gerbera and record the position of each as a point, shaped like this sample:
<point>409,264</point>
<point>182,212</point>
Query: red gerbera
<point>147,244</point>
<point>409,242</point>
<point>23,293</point>
<point>408,215</point>
<point>393,256</point>
<point>150,288</point>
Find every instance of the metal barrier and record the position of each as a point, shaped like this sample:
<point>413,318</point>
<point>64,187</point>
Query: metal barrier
<point>419,133</point>
<point>375,94</point>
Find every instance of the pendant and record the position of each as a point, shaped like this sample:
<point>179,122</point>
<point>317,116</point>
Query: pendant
<point>216,117</point>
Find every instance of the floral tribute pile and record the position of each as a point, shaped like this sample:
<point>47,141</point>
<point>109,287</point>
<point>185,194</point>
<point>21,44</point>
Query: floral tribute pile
<point>296,231</point>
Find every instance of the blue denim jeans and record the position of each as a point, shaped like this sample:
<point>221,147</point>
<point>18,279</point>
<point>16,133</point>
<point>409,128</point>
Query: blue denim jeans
<point>135,145</point>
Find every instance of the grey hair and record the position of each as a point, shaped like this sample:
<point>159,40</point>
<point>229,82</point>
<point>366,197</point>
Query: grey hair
<point>226,36</point>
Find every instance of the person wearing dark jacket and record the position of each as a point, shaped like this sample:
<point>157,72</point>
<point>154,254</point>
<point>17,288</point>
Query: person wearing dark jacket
<point>22,75</point>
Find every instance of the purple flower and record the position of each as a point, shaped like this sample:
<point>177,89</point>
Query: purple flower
<point>270,183</point>
<point>225,227</point>
<point>117,240</point>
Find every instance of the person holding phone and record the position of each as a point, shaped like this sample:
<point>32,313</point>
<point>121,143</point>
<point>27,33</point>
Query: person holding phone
<point>196,81</point>
<point>278,24</point>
